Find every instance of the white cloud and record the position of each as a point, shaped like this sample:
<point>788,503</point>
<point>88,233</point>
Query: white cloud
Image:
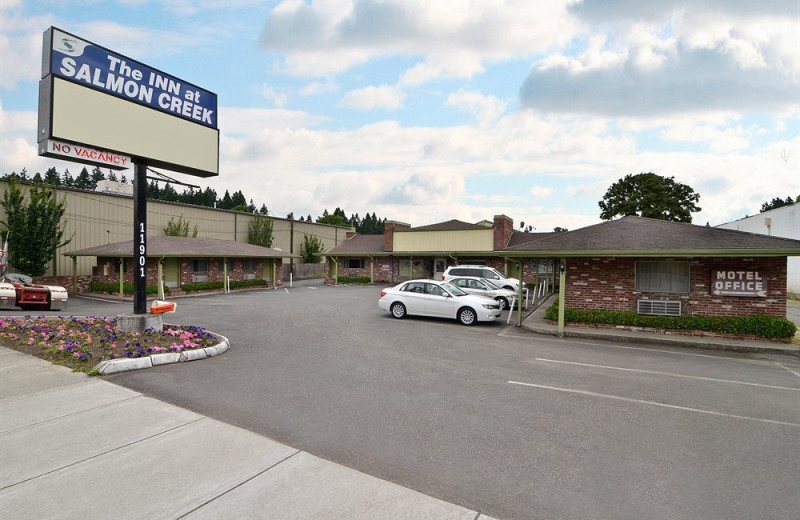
<point>272,95</point>
<point>487,108</point>
<point>456,37</point>
<point>687,57</point>
<point>541,192</point>
<point>371,98</point>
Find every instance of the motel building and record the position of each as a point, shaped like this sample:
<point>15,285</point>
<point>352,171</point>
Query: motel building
<point>634,264</point>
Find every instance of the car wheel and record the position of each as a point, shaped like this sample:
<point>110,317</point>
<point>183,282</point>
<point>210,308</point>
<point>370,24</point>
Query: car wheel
<point>398,310</point>
<point>467,316</point>
<point>503,303</point>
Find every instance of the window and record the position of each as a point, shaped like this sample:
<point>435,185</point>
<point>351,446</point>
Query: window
<point>415,287</point>
<point>433,289</point>
<point>248,265</point>
<point>665,277</point>
<point>354,263</point>
<point>199,265</point>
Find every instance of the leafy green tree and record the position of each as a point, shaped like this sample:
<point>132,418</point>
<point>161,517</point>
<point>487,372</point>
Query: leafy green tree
<point>335,220</point>
<point>559,229</point>
<point>259,232</point>
<point>244,208</point>
<point>649,195</point>
<point>777,202</point>
<point>312,249</point>
<point>35,227</point>
<point>179,228</point>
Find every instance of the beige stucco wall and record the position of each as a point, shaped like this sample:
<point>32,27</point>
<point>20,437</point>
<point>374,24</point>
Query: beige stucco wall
<point>444,241</point>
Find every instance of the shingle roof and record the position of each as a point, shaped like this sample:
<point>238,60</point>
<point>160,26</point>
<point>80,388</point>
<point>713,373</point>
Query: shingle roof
<point>519,237</point>
<point>360,244</point>
<point>638,234</point>
<point>447,226</point>
<point>169,246</point>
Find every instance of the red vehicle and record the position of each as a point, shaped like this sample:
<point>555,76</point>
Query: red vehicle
<point>19,290</point>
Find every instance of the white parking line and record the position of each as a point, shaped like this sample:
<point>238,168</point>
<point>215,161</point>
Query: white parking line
<point>655,403</point>
<point>287,290</point>
<point>669,374</point>
<point>788,369</point>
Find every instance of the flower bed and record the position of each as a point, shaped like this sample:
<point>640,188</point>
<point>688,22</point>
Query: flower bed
<point>81,343</point>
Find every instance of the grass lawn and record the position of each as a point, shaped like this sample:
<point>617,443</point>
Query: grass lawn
<point>80,343</point>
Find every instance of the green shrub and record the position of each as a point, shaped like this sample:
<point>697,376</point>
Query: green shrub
<point>127,288</point>
<point>210,286</point>
<point>354,279</point>
<point>762,326</point>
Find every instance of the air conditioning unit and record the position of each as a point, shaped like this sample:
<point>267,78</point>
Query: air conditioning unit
<point>199,278</point>
<point>659,307</point>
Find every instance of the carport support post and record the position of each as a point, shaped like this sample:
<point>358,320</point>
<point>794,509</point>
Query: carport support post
<point>372,269</point>
<point>160,280</point>
<point>121,277</point>
<point>562,293</point>
<point>74,275</point>
<point>519,296</point>
<point>335,270</point>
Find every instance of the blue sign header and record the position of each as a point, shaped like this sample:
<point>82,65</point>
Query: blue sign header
<point>85,63</point>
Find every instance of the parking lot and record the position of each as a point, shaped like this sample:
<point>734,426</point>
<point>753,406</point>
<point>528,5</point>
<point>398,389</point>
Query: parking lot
<point>490,417</point>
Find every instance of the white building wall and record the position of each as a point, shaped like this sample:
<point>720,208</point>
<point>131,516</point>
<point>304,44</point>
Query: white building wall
<point>781,222</point>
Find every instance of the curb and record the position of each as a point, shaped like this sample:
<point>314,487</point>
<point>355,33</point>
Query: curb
<point>113,366</point>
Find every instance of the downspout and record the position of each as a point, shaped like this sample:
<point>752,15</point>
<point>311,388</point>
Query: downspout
<point>562,292</point>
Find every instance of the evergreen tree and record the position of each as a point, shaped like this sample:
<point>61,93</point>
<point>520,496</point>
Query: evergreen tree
<point>83,181</point>
<point>263,211</point>
<point>226,202</point>
<point>52,177</point>
<point>36,229</point>
<point>67,180</point>
<point>97,176</point>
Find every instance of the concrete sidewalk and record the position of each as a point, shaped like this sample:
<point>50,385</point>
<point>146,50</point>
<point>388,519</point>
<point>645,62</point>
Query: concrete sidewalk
<point>72,446</point>
<point>535,322</point>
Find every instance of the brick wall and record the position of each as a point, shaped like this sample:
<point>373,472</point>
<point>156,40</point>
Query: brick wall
<point>215,270</point>
<point>609,283</point>
<point>383,270</point>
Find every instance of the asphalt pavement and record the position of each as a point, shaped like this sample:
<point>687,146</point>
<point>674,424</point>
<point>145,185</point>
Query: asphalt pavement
<point>74,446</point>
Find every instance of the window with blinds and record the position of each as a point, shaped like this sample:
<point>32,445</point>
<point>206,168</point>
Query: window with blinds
<point>663,277</point>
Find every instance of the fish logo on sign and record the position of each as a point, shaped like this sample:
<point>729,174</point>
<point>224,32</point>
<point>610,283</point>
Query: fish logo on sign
<point>69,46</point>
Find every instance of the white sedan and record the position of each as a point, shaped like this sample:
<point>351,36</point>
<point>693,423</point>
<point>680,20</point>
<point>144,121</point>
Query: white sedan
<point>484,287</point>
<point>437,299</point>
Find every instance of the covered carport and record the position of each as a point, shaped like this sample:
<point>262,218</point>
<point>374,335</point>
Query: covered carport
<point>175,260</point>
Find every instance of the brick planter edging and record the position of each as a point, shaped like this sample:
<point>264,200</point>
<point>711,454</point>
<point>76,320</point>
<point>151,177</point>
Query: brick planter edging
<point>112,366</point>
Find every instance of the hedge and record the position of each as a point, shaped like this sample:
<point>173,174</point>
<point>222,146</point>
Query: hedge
<point>127,288</point>
<point>354,279</point>
<point>762,326</point>
<point>209,286</point>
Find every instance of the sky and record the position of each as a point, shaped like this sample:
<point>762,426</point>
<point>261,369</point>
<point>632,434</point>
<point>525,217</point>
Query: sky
<point>423,111</point>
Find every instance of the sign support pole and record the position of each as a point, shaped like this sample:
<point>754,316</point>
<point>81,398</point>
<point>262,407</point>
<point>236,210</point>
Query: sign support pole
<point>140,238</point>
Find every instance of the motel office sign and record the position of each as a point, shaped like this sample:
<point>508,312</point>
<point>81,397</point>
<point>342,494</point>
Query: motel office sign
<point>738,283</point>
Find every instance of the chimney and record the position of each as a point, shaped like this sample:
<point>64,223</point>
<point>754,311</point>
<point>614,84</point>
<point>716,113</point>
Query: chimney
<point>388,233</point>
<point>503,228</point>
<point>349,234</point>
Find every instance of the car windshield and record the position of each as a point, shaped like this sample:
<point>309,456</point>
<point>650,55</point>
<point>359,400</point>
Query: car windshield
<point>501,275</point>
<point>452,289</point>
